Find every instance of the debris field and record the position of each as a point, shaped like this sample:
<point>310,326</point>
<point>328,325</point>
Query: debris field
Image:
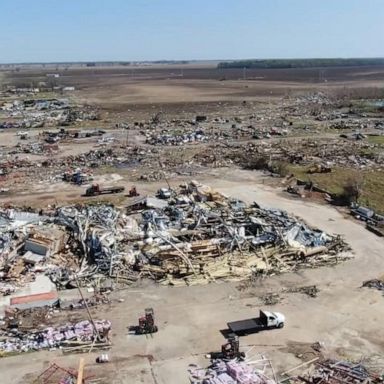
<point>196,236</point>
<point>142,250</point>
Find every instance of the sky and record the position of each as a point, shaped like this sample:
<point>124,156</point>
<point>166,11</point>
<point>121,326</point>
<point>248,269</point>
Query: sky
<point>138,30</point>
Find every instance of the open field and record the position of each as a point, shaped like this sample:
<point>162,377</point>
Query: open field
<point>203,71</point>
<point>161,126</point>
<point>113,88</point>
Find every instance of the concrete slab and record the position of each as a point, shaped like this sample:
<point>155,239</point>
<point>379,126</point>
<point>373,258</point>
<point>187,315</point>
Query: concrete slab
<point>42,284</point>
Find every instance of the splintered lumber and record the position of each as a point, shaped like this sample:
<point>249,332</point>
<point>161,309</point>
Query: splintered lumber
<point>300,365</point>
<point>86,347</point>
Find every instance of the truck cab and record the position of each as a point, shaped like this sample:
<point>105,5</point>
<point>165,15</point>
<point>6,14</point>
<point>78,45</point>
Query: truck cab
<point>272,319</point>
<point>94,189</point>
<point>163,193</point>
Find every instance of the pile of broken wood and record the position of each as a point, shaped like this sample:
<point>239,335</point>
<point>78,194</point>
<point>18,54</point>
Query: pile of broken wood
<point>197,236</point>
<point>336,372</point>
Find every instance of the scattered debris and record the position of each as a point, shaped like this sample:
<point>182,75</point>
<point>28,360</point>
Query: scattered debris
<point>310,290</point>
<point>231,372</point>
<point>375,284</point>
<point>16,341</point>
<point>336,372</point>
<point>270,298</point>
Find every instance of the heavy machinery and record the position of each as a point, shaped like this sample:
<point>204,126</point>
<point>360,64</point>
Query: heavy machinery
<point>230,350</point>
<point>95,190</point>
<point>146,324</point>
<point>76,177</point>
<point>133,192</point>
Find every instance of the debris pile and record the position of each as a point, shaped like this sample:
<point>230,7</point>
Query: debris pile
<point>310,290</point>
<point>232,372</point>
<point>169,139</point>
<point>15,341</point>
<point>98,234</point>
<point>375,284</point>
<point>331,152</point>
<point>35,113</point>
<point>201,236</point>
<point>260,371</point>
<point>336,372</point>
<point>196,236</point>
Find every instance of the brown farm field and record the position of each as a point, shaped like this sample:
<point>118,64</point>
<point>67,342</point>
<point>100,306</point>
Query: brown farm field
<point>115,87</point>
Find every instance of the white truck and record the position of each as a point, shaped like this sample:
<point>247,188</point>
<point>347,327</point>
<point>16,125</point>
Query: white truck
<point>163,193</point>
<point>266,320</point>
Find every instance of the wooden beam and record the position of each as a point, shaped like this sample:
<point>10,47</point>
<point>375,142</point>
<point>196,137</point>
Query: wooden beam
<point>80,373</point>
<point>301,365</point>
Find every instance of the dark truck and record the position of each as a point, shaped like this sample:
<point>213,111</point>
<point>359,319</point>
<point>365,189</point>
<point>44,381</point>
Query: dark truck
<point>266,320</point>
<point>95,190</point>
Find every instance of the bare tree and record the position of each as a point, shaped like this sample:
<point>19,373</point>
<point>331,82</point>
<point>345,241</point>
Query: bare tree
<point>352,189</point>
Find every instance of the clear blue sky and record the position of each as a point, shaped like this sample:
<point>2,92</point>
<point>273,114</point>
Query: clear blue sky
<point>82,30</point>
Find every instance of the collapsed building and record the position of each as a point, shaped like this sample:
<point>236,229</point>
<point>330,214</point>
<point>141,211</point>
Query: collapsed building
<point>197,236</point>
<point>35,113</point>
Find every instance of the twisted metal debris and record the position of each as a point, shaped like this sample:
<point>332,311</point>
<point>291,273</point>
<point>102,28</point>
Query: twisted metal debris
<point>195,237</point>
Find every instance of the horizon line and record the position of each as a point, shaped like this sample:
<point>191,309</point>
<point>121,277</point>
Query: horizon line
<point>158,61</point>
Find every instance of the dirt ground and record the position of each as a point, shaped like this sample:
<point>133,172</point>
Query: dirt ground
<point>190,91</point>
<point>194,87</point>
<point>345,317</point>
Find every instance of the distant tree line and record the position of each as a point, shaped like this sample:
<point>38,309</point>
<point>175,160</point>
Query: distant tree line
<point>169,62</point>
<point>300,63</point>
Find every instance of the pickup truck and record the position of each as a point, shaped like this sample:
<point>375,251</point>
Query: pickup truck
<point>163,193</point>
<point>266,320</point>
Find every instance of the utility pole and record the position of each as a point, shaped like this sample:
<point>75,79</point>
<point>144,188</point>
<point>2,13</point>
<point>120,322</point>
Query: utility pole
<point>87,308</point>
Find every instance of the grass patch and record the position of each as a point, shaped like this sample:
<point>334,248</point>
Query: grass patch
<point>372,183</point>
<point>366,106</point>
<point>376,139</point>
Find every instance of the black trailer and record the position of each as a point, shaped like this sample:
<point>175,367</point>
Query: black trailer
<point>244,327</point>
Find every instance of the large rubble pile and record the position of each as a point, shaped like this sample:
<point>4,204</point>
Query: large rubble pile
<point>229,129</point>
<point>202,236</point>
<point>197,236</point>
<point>35,113</point>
